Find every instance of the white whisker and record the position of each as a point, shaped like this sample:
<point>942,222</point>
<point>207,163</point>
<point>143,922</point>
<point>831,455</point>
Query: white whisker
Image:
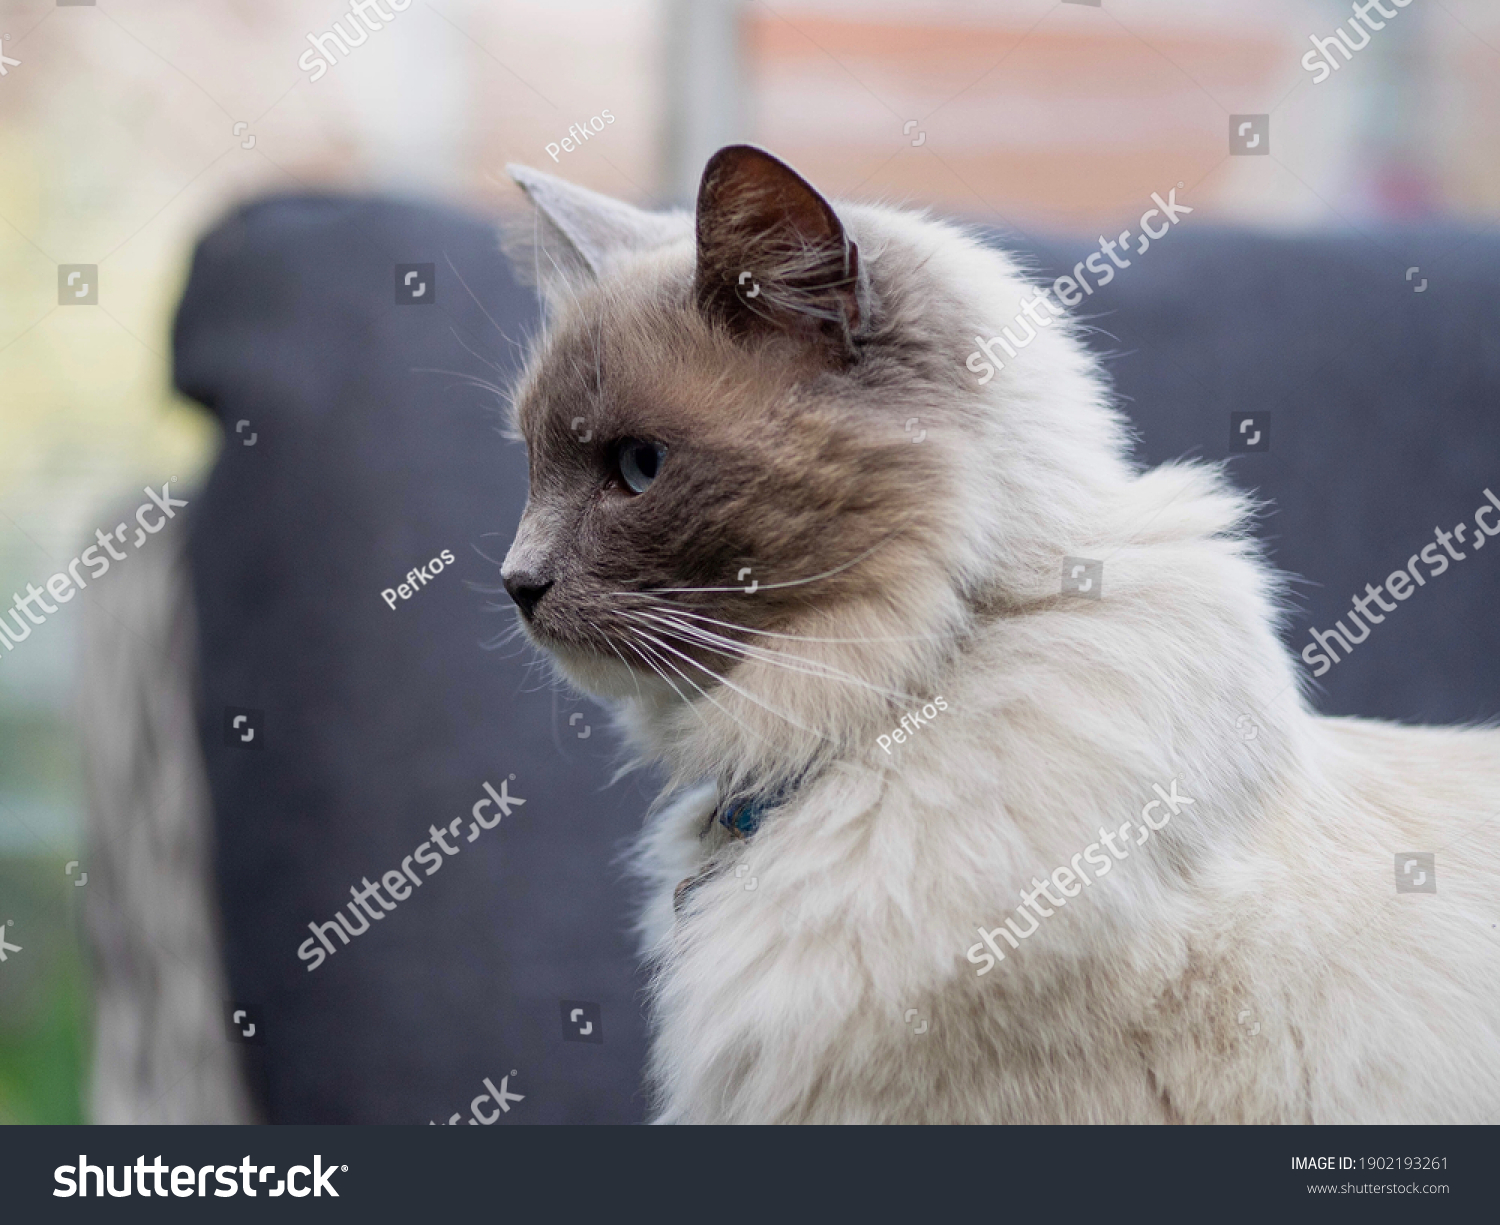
<point>624,662</point>
<point>745,629</point>
<point>797,582</point>
<point>725,646</point>
<point>651,661</point>
<point>708,696</point>
<point>729,684</point>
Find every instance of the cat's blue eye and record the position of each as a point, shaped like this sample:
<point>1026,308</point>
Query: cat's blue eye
<point>639,461</point>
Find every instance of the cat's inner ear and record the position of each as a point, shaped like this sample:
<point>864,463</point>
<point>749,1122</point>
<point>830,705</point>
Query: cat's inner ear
<point>577,234</point>
<point>773,254</point>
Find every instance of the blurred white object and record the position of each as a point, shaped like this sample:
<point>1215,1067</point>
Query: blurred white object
<point>160,1049</point>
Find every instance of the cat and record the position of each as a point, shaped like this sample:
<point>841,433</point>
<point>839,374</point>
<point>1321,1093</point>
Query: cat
<point>774,521</point>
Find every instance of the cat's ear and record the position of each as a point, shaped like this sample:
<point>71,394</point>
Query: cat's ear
<point>773,254</point>
<point>576,234</point>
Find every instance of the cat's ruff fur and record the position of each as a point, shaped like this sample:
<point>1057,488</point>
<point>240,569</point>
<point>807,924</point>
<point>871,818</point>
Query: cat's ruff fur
<point>1251,963</point>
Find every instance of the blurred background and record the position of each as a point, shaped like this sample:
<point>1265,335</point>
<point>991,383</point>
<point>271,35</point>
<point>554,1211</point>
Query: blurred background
<point>127,128</point>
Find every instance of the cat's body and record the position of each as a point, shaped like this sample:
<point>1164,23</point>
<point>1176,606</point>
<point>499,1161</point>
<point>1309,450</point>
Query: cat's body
<point>810,571</point>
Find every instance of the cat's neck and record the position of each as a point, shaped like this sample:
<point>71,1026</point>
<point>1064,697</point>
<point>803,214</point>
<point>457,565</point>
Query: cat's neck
<point>1174,672</point>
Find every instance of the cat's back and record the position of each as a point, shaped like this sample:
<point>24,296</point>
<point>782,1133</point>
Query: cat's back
<point>1426,783</point>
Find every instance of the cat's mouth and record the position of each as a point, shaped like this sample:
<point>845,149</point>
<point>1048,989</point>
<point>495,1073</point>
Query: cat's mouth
<point>644,658</point>
<point>565,643</point>
<point>582,650</point>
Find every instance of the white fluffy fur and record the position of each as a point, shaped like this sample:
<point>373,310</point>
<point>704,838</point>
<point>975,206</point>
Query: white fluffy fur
<point>1273,894</point>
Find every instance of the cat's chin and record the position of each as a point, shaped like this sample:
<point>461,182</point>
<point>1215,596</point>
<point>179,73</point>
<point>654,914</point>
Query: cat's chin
<point>600,675</point>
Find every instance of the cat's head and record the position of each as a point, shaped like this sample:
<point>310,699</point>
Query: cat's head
<point>767,495</point>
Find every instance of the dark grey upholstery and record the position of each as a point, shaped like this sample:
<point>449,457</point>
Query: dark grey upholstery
<point>380,722</point>
<point>1385,410</point>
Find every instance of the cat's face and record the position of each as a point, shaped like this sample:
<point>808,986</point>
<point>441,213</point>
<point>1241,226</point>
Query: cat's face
<point>707,469</point>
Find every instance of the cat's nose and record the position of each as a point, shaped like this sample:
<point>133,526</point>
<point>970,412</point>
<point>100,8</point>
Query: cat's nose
<point>525,589</point>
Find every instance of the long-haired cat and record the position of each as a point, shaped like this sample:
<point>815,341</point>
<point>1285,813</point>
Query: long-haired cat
<point>942,841</point>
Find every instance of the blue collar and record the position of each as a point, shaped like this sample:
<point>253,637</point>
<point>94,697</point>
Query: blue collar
<point>742,815</point>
